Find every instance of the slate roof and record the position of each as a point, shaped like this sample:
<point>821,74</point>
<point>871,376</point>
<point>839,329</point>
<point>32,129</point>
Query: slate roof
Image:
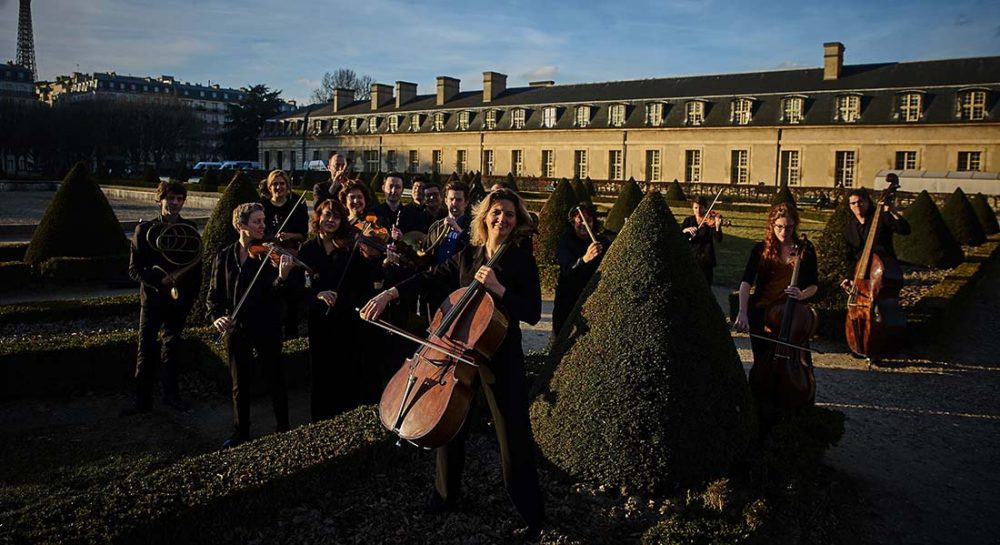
<point>879,85</point>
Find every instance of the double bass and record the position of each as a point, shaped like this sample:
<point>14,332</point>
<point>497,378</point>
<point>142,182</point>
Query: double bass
<point>875,322</point>
<point>786,374</point>
<point>428,398</point>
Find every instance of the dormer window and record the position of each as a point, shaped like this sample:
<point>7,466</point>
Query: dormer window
<point>334,126</point>
<point>616,115</point>
<point>792,110</point>
<point>354,124</point>
<point>517,118</point>
<point>654,114</point>
<point>972,105</point>
<point>694,113</point>
<point>415,122</point>
<point>549,116</point>
<point>910,106</point>
<point>393,123</point>
<point>848,108</point>
<point>741,111</point>
<point>490,120</point>
<point>372,124</point>
<point>463,121</point>
<point>582,116</point>
<point>439,121</point>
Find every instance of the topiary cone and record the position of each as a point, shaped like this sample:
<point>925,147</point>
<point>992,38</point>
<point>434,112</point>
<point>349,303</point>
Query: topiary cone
<point>511,181</point>
<point>219,232</point>
<point>553,222</point>
<point>675,192</point>
<point>79,222</point>
<point>784,195</point>
<point>930,243</point>
<point>647,390</point>
<point>628,198</point>
<point>581,191</point>
<point>831,249</point>
<point>984,212</point>
<point>961,219</point>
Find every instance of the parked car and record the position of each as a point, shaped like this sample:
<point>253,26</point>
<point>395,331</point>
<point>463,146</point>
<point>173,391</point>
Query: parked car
<point>240,165</point>
<point>199,169</point>
<point>314,165</point>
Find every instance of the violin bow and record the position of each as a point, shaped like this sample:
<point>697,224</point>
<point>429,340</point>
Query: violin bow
<point>585,224</point>
<point>289,216</point>
<point>340,282</point>
<point>407,335</point>
<point>246,292</point>
<point>710,207</point>
<point>790,345</point>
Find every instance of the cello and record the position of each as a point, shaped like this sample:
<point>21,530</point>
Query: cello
<point>786,374</point>
<point>428,398</point>
<point>875,322</point>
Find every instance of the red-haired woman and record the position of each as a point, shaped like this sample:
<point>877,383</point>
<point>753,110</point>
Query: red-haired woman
<point>342,284</point>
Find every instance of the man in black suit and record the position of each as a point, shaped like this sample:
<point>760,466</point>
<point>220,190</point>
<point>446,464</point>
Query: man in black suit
<point>856,229</point>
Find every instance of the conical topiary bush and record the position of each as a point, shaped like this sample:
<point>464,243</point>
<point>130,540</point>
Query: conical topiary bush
<point>628,198</point>
<point>783,195</point>
<point>79,222</point>
<point>581,191</point>
<point>985,214</point>
<point>646,388</point>
<point>219,231</point>
<point>961,219</point>
<point>511,181</point>
<point>675,192</point>
<point>831,249</point>
<point>553,222</point>
<point>591,188</point>
<point>930,243</point>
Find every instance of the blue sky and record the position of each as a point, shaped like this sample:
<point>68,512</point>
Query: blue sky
<point>289,44</point>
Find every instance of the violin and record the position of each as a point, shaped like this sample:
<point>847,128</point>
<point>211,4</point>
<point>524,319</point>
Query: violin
<point>263,249</point>
<point>785,375</point>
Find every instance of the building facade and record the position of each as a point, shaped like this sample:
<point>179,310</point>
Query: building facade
<point>832,126</point>
<point>17,93</point>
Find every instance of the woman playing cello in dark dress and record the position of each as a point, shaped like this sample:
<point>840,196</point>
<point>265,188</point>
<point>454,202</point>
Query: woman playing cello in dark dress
<point>513,282</point>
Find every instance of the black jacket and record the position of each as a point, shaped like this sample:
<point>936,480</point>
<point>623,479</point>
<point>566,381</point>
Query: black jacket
<point>355,287</point>
<point>143,257</point>
<point>703,242</point>
<point>411,217</point>
<point>274,216</point>
<point>230,279</point>
<point>856,233</point>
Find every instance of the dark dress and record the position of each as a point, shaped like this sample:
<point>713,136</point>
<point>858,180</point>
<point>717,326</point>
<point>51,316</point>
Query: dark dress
<point>158,310</point>
<point>341,375</point>
<point>573,274</point>
<point>257,328</point>
<point>703,246</point>
<point>274,217</point>
<point>507,394</point>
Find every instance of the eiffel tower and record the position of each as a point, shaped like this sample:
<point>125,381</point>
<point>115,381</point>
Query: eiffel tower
<point>26,40</point>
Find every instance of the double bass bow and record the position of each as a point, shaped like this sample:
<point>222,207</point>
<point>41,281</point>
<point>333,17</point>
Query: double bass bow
<point>427,400</point>
<point>875,322</point>
<point>786,374</point>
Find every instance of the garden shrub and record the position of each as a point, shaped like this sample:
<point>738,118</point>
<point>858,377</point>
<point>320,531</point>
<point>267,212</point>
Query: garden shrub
<point>986,215</point>
<point>14,275</point>
<point>831,250</point>
<point>552,222</point>
<point>13,251</point>
<point>930,243</point>
<point>51,311</point>
<point>626,202</point>
<point>78,222</point>
<point>581,191</point>
<point>70,270</point>
<point>511,181</point>
<point>961,219</point>
<point>784,195</point>
<point>201,499</point>
<point>646,390</point>
<point>675,192</point>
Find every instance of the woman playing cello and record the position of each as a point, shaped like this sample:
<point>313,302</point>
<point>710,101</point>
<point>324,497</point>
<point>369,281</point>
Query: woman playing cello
<point>769,270</point>
<point>513,282</point>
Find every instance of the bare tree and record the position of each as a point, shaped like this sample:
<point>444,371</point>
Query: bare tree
<point>344,78</point>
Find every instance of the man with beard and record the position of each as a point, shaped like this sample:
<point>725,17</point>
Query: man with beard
<point>578,256</point>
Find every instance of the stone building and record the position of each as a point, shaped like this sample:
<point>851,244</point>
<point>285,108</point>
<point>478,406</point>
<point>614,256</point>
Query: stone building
<point>839,125</point>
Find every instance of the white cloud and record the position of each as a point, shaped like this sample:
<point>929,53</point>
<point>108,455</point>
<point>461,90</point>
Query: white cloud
<point>545,72</point>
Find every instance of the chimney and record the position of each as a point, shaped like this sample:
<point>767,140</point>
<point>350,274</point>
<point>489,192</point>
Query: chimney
<point>546,83</point>
<point>381,95</point>
<point>833,60</point>
<point>447,88</point>
<point>494,83</point>
<point>405,92</point>
<point>341,98</point>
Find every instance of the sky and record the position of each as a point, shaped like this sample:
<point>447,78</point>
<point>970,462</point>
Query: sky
<point>290,44</point>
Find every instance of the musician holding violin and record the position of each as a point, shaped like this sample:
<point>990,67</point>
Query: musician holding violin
<point>578,252</point>
<point>509,285</point>
<point>286,222</point>
<point>243,302</point>
<point>703,229</point>
<point>783,273</point>
<point>165,259</point>
<point>341,284</point>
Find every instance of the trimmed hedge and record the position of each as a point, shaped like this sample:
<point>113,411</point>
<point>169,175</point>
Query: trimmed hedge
<point>985,214</point>
<point>51,311</point>
<point>784,195</point>
<point>14,274</point>
<point>581,191</point>
<point>961,219</point>
<point>552,222</point>
<point>12,251</point>
<point>203,498</point>
<point>79,222</point>
<point>831,249</point>
<point>930,243</point>
<point>628,199</point>
<point>675,192</point>
<point>633,400</point>
<point>69,270</point>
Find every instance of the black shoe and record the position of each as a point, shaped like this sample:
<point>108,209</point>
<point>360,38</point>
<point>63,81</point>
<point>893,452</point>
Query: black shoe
<point>437,505</point>
<point>136,408</point>
<point>233,441</point>
<point>177,404</point>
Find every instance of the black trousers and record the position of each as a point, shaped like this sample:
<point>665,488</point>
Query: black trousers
<point>290,301</point>
<point>156,315</point>
<point>341,376</point>
<point>242,344</point>
<point>709,272</point>
<point>508,402</point>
